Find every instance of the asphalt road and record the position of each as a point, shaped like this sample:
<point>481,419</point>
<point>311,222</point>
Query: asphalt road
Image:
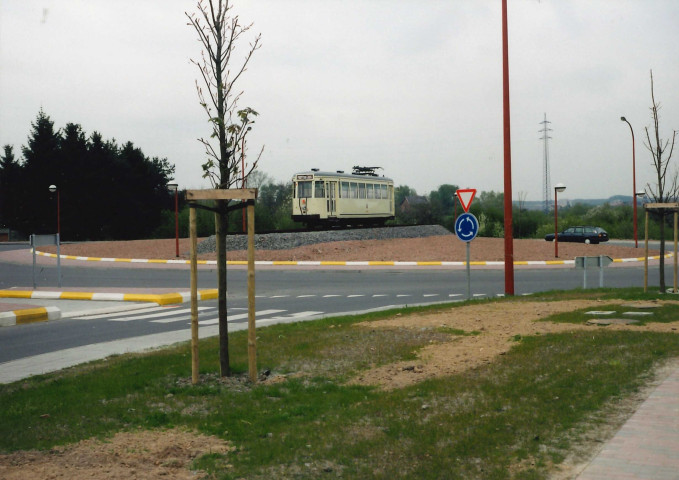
<point>283,294</point>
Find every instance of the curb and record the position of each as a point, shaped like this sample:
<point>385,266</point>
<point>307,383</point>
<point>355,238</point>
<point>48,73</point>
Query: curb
<point>44,314</point>
<point>317,263</point>
<point>160,299</point>
<point>29,315</point>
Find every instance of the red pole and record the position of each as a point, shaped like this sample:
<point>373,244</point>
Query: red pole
<point>556,228</point>
<point>59,214</point>
<point>509,234</point>
<point>242,169</point>
<point>634,183</point>
<point>176,220</point>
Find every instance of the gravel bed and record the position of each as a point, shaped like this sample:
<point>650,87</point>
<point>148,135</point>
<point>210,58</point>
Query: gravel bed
<point>285,241</point>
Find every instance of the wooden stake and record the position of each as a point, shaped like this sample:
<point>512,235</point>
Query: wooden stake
<point>252,334</point>
<point>194,296</point>
<point>646,256</point>
<point>675,252</point>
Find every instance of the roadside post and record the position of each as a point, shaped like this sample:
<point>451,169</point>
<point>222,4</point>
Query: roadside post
<point>42,240</point>
<point>581,263</point>
<point>248,195</point>
<point>672,207</point>
<point>466,229</point>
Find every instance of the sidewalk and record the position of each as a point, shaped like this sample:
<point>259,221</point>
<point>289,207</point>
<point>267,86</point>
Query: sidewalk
<point>647,445</point>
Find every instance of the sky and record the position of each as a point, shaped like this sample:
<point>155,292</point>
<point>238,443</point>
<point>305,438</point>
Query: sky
<point>412,87</point>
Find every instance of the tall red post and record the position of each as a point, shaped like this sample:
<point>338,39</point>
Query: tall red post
<point>634,183</point>
<point>509,234</point>
<point>556,226</point>
<point>242,169</point>
<point>59,214</point>
<point>176,221</point>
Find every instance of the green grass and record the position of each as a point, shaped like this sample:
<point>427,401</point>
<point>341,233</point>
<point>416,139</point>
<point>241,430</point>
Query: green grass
<point>662,314</point>
<point>514,418</point>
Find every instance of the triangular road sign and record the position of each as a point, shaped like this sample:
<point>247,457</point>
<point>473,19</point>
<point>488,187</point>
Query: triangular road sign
<point>466,196</point>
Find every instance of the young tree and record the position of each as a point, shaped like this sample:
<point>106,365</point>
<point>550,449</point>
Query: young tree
<point>218,32</point>
<point>665,189</point>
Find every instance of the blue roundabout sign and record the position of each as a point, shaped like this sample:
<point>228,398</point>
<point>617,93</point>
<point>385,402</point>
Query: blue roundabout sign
<point>466,227</point>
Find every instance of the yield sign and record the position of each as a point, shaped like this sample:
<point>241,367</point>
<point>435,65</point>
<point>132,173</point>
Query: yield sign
<point>466,196</point>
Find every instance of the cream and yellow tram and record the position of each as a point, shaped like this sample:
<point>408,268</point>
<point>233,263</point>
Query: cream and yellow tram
<point>358,198</point>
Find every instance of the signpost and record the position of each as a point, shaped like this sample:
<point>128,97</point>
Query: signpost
<point>601,261</point>
<point>42,240</point>
<point>466,228</point>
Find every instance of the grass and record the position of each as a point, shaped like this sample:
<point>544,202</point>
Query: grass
<point>514,418</point>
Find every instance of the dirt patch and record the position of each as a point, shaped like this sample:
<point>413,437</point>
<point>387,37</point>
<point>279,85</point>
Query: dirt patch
<point>433,249</point>
<point>493,327</point>
<point>143,455</point>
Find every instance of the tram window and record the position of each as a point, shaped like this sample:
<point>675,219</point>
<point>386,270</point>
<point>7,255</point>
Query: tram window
<point>354,190</point>
<point>361,190</point>
<point>345,190</point>
<point>385,193</point>
<point>378,192</point>
<point>370,191</point>
<point>320,189</point>
<point>303,189</point>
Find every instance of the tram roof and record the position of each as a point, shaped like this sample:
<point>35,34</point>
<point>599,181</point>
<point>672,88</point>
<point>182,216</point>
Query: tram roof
<point>352,176</point>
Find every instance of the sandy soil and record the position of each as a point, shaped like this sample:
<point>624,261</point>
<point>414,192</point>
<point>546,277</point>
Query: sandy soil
<point>142,455</point>
<point>149,454</point>
<point>438,248</point>
<point>498,324</point>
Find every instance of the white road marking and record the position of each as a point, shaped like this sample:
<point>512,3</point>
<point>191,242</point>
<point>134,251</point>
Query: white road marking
<point>291,316</point>
<point>164,313</point>
<point>154,308</point>
<point>240,316</point>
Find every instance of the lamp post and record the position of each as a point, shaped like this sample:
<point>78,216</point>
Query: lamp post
<point>559,187</point>
<point>52,189</point>
<point>173,187</point>
<point>634,184</point>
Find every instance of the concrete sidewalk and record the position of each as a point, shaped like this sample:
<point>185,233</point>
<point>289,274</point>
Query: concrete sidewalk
<point>647,445</point>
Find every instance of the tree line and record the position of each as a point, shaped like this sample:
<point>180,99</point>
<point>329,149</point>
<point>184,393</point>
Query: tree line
<point>109,191</point>
<point>104,190</point>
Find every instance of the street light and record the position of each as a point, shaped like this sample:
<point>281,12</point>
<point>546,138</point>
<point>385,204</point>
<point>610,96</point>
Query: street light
<point>173,187</point>
<point>559,187</point>
<point>634,184</point>
<point>52,189</point>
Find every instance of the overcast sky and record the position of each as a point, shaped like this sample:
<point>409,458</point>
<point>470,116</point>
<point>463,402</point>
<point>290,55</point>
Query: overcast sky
<point>413,87</point>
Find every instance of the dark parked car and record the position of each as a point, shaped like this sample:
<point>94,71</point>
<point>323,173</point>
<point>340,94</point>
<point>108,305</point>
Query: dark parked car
<point>581,234</point>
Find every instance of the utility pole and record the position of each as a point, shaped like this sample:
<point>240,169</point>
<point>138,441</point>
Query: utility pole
<point>546,183</point>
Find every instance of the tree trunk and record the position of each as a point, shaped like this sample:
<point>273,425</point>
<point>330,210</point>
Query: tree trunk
<point>221,227</point>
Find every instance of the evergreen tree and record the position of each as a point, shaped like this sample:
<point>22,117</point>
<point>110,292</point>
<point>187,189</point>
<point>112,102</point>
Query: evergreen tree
<point>10,171</point>
<point>40,170</point>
